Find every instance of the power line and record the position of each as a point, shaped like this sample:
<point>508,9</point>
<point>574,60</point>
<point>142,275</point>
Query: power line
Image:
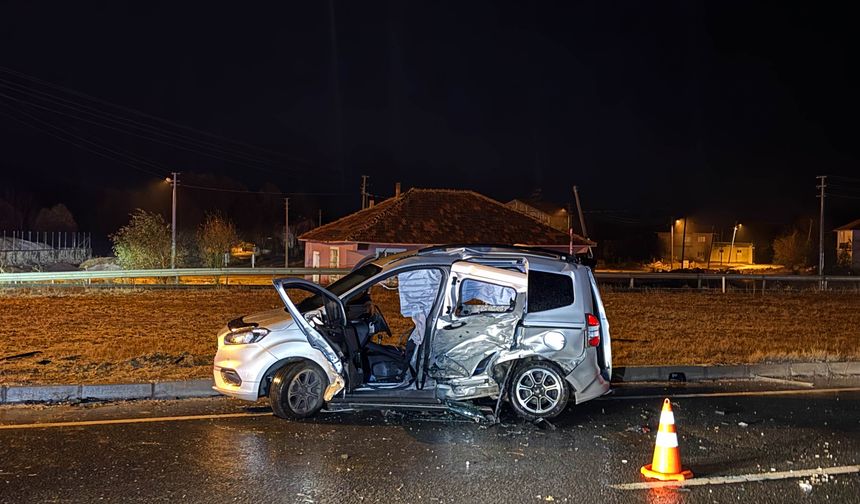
<point>843,177</point>
<point>123,121</point>
<point>845,196</point>
<point>245,191</point>
<point>84,147</point>
<point>215,156</point>
<point>144,114</point>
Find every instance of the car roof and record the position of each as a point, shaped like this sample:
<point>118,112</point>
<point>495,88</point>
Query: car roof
<point>447,254</point>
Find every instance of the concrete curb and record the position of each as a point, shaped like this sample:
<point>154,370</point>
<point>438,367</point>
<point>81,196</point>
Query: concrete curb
<point>743,371</point>
<point>203,387</point>
<point>107,392</point>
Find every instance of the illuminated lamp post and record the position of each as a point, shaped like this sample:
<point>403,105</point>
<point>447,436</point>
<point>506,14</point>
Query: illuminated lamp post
<point>731,248</point>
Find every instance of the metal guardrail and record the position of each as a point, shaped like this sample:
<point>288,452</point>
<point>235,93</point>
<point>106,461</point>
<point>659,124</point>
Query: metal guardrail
<point>630,277</point>
<point>64,276</point>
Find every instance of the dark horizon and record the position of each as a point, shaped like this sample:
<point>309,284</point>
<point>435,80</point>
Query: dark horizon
<point>720,111</point>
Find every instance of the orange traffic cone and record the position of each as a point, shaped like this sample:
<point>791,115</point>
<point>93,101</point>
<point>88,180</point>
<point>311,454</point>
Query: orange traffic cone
<point>666,465</point>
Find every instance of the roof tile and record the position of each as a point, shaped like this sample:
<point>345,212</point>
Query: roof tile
<point>437,216</point>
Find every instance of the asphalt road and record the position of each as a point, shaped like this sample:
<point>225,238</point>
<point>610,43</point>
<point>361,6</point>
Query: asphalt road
<point>246,455</point>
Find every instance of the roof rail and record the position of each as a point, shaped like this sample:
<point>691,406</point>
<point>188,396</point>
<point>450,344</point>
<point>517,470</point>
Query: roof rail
<point>535,251</point>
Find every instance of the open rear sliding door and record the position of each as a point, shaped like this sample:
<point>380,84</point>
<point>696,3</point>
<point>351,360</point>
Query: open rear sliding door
<point>482,307</point>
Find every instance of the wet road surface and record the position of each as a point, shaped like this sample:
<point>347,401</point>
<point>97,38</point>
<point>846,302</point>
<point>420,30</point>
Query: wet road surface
<point>246,455</point>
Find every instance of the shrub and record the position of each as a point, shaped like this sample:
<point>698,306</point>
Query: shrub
<point>214,239</point>
<point>791,250</point>
<point>144,242</point>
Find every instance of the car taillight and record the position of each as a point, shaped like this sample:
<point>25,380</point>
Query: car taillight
<point>593,324</point>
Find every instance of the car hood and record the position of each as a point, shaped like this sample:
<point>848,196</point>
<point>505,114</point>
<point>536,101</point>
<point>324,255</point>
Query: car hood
<point>273,320</point>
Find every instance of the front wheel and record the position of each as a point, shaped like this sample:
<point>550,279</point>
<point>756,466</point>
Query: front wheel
<point>297,390</point>
<point>538,391</point>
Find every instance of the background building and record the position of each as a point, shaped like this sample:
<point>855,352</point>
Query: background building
<point>423,217</point>
<point>848,245</point>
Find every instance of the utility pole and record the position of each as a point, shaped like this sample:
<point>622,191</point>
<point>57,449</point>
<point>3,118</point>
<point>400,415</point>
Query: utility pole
<point>823,183</point>
<point>579,210</point>
<point>364,191</point>
<point>286,232</point>
<point>175,182</point>
<point>672,245</point>
<point>683,241</point>
<point>569,231</point>
<point>732,247</point>
<point>581,218</point>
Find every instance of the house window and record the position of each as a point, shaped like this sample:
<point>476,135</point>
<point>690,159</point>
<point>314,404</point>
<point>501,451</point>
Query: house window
<point>702,239</point>
<point>334,257</point>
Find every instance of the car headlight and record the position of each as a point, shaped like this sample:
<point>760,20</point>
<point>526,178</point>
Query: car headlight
<point>554,340</point>
<point>245,336</point>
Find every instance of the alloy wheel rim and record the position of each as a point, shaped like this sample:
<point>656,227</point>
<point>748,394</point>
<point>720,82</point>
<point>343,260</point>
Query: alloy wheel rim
<point>304,391</point>
<point>538,390</point>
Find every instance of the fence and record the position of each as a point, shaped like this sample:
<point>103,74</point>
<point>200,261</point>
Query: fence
<point>262,276</point>
<point>38,248</point>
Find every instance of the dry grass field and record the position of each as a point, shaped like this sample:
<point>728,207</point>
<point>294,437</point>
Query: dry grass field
<point>122,335</point>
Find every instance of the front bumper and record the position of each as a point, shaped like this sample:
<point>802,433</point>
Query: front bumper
<point>249,362</point>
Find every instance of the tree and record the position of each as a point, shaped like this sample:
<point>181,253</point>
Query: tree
<point>214,238</point>
<point>791,250</point>
<point>144,242</point>
<point>56,218</point>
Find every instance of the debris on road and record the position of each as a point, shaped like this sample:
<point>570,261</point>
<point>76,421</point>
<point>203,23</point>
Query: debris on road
<point>639,429</point>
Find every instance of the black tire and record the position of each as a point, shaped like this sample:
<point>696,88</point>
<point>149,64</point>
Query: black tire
<point>538,390</point>
<point>297,390</point>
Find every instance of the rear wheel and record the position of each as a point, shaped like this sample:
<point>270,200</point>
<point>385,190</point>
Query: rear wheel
<point>538,390</point>
<point>297,390</point>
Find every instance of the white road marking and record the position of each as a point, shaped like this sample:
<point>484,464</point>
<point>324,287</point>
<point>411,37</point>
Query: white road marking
<point>87,423</point>
<point>741,478</point>
<point>784,381</point>
<point>750,393</point>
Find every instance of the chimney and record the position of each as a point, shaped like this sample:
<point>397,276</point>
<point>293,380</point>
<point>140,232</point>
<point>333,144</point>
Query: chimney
<point>371,203</point>
<point>397,189</point>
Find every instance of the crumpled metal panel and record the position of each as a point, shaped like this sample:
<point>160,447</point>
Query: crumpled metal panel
<point>458,351</point>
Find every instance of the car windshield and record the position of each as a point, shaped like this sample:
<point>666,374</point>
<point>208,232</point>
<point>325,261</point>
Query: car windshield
<point>340,287</point>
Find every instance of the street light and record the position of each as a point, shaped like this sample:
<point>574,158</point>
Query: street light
<point>672,245</point>
<point>731,248</point>
<point>683,241</point>
<point>174,181</point>
<point>675,222</point>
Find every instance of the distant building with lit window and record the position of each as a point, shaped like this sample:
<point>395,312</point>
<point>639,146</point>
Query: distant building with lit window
<point>848,245</point>
<point>702,249</point>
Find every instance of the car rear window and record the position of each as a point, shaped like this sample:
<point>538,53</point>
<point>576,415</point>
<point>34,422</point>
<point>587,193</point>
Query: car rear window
<point>548,291</point>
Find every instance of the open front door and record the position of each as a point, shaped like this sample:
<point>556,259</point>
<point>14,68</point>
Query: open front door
<point>323,322</point>
<point>482,307</point>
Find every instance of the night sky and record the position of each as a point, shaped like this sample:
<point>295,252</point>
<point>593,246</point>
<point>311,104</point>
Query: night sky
<point>718,110</point>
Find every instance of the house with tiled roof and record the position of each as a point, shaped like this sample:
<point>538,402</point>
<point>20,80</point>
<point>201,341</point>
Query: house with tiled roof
<point>422,217</point>
<point>848,244</point>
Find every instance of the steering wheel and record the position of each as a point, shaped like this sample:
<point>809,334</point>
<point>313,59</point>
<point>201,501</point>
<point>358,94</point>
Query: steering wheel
<point>379,322</point>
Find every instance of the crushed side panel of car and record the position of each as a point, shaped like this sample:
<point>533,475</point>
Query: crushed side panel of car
<point>483,308</point>
<point>458,351</point>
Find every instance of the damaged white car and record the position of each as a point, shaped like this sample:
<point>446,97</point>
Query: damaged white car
<point>458,328</point>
